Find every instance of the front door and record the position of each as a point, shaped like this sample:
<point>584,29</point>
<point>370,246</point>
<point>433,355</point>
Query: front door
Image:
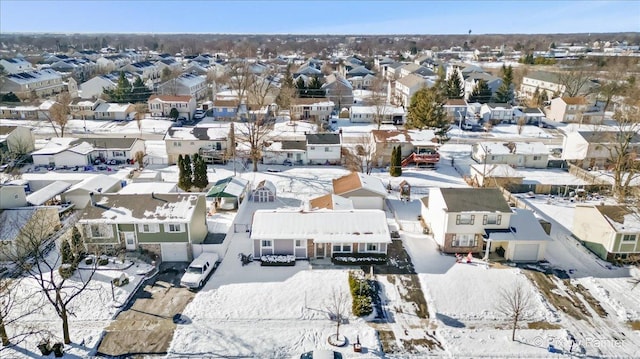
<point>130,240</point>
<point>319,250</point>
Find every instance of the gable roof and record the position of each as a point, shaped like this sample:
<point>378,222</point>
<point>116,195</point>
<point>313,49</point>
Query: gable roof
<point>47,192</point>
<point>13,220</point>
<point>474,200</point>
<point>350,226</point>
<point>141,208</point>
<point>544,76</point>
<point>412,80</point>
<point>323,138</point>
<point>578,100</point>
<point>621,218</point>
<point>170,98</point>
<point>266,185</point>
<point>607,136</point>
<point>294,145</point>
<point>97,183</point>
<point>331,201</point>
<point>355,181</point>
<point>228,187</point>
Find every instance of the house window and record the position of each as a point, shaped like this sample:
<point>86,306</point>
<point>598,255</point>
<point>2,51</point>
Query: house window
<point>465,219</point>
<point>118,154</point>
<point>101,231</point>
<point>464,240</point>
<point>628,237</point>
<point>327,149</point>
<point>149,228</point>
<point>492,219</point>
<point>341,248</point>
<point>312,148</point>
<point>266,243</point>
<point>372,247</point>
<point>177,144</point>
<point>536,158</point>
<point>299,243</point>
<point>173,228</point>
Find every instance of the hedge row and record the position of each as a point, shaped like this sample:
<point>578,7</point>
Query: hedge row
<point>362,293</point>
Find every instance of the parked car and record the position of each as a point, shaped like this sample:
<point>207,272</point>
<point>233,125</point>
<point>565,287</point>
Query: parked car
<point>198,271</point>
<point>321,354</point>
<point>199,115</point>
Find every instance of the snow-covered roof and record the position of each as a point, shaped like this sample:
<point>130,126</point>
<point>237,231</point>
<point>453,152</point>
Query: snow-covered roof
<point>349,226</point>
<point>621,218</point>
<point>141,208</point>
<point>264,184</point>
<point>503,148</point>
<point>228,187</point>
<point>46,193</point>
<point>97,183</point>
<point>34,76</point>
<point>217,132</point>
<point>148,187</point>
<point>355,181</point>
<point>112,107</point>
<point>496,170</point>
<point>523,226</point>
<point>55,145</point>
<point>82,148</point>
<point>331,201</point>
<point>385,110</point>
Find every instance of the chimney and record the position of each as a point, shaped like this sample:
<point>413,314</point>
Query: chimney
<point>93,200</point>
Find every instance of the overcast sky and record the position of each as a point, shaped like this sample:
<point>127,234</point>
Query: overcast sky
<point>320,17</point>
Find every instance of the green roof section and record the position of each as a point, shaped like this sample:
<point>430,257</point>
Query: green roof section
<point>228,187</point>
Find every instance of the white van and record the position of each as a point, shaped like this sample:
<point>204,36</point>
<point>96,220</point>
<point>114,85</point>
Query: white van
<point>199,269</point>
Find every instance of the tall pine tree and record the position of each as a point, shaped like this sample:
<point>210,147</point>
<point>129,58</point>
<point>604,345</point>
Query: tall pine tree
<point>184,177</point>
<point>504,94</point>
<point>200,179</point>
<point>392,162</point>
<point>426,111</point>
<point>398,164</point>
<point>453,88</point>
<point>481,93</point>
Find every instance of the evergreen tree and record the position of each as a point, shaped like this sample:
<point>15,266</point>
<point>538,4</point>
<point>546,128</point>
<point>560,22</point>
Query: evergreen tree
<point>188,173</point>
<point>481,93</point>
<point>504,94</point>
<point>453,88</point>
<point>77,245</point>
<point>10,97</point>
<point>183,182</point>
<point>392,162</point>
<point>426,111</point>
<point>200,179</point>
<point>65,252</point>
<point>398,164</point>
<point>173,113</point>
<point>139,92</point>
<point>122,92</point>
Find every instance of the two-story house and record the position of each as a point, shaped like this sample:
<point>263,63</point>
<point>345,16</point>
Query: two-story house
<point>389,114</point>
<point>16,65</point>
<point>15,140</point>
<point>225,109</point>
<point>575,109</point>
<point>185,85</point>
<point>338,90</point>
<point>611,232</point>
<point>164,224</point>
<point>456,109</point>
<point>211,142</point>
<point>290,152</point>
<point>595,149</point>
<point>40,83</point>
<point>540,81</point>
<point>313,109</point>
<point>324,148</point>
<point>406,87</point>
<point>465,220</point>
<point>161,105</point>
<point>497,112</point>
<point>147,70</point>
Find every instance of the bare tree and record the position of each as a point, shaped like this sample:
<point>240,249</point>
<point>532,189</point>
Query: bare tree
<point>378,99</point>
<point>60,113</point>
<point>514,303</point>
<point>15,307</point>
<point>521,123</point>
<point>239,78</point>
<point>36,258</point>
<point>338,306</point>
<point>575,81</point>
<point>359,158</point>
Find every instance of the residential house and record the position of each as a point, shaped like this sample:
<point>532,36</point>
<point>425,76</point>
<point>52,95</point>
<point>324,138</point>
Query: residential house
<point>494,175</point>
<point>365,191</point>
<point>324,148</point>
<point>497,112</point>
<point>211,143</point>
<point>265,191</point>
<point>113,62</point>
<point>292,152</point>
<point>391,72</point>
<point>456,109</point>
<point>17,224</point>
<point>114,111</point>
<point>168,63</point>
<point>471,82</point>
<point>465,219</point>
<point>78,68</point>
<point>330,201</point>
<point>319,234</point>
<point>40,83</point>
<point>595,149</point>
<point>147,70</point>
<point>225,109</point>
<point>84,108</point>
<point>406,87</point>
<point>16,65</point>
<point>12,196</point>
<point>612,232</point>
<point>165,224</point>
<point>161,105</point>
<point>70,152</point>
<point>515,154</point>
<point>16,140</point>
<point>94,88</point>
<point>185,85</point>
<point>389,114</point>
<point>87,54</point>
<point>339,91</point>
<point>314,109</point>
<point>362,82</point>
<point>540,81</point>
<point>575,109</point>
<point>530,115</point>
<point>80,194</point>
<point>359,71</point>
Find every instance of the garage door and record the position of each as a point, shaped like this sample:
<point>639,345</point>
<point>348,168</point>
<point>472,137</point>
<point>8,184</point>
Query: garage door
<point>525,253</point>
<point>174,252</point>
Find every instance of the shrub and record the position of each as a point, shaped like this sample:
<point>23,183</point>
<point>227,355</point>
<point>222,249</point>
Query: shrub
<point>362,292</point>
<point>362,305</point>
<point>88,261</point>
<point>103,261</point>
<point>66,270</point>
